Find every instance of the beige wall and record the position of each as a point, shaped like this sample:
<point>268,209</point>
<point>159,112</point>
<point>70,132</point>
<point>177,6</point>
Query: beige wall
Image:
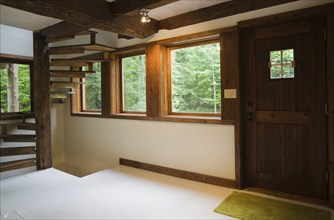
<point>92,144</point>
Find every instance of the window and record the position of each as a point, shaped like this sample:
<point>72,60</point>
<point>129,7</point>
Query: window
<point>91,90</point>
<point>195,84</point>
<point>15,87</point>
<point>134,83</point>
<point>282,64</point>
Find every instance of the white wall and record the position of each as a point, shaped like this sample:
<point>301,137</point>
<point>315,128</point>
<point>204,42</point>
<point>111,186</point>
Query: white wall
<point>92,144</point>
<point>16,41</point>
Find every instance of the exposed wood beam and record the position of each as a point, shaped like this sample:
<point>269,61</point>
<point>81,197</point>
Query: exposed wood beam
<point>89,14</point>
<point>217,11</point>
<point>129,7</point>
<point>62,30</point>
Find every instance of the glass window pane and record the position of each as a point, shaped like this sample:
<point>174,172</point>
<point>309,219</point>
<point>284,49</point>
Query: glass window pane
<point>134,83</point>
<point>195,79</point>
<point>275,57</point>
<point>281,64</point>
<point>15,87</point>
<point>92,89</point>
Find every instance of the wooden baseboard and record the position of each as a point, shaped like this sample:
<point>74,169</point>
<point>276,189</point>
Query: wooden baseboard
<point>179,173</point>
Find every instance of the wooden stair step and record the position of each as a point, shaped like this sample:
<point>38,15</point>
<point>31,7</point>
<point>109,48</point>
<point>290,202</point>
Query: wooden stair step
<point>68,62</point>
<point>64,85</point>
<point>21,126</point>
<point>13,151</point>
<point>62,38</point>
<point>74,49</point>
<point>18,137</point>
<point>60,95</point>
<point>69,73</point>
<point>17,164</point>
<point>16,115</point>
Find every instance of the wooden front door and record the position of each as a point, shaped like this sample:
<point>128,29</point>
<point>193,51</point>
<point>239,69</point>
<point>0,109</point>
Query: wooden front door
<point>284,82</point>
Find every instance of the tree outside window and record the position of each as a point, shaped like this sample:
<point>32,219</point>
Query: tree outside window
<point>92,89</point>
<point>15,87</point>
<point>195,79</point>
<point>134,83</point>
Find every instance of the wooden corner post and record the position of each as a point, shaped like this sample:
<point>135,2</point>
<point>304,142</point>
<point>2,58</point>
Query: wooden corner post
<point>42,106</point>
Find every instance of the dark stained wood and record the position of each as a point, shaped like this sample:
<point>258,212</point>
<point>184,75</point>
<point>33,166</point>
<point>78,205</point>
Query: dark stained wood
<point>18,164</point>
<point>153,69</point>
<point>303,117</point>
<point>62,30</point>
<point>106,88</point>
<point>217,11</point>
<point>129,7</point>
<point>83,15</point>
<point>179,173</point>
<point>285,129</point>
<point>42,102</point>
<point>12,151</point>
<point>230,80</point>
<point>18,138</point>
<point>22,126</point>
<point>330,99</point>
<point>73,63</point>
<point>15,58</point>
<point>16,115</point>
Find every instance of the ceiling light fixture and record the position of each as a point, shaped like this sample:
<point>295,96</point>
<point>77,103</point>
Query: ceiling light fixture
<point>144,15</point>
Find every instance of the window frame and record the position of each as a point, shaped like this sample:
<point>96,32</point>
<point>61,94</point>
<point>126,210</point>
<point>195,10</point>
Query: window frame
<point>120,101</point>
<point>169,80</point>
<point>8,58</point>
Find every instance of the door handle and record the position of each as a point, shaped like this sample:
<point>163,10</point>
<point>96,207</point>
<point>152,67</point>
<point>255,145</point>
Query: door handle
<point>250,116</point>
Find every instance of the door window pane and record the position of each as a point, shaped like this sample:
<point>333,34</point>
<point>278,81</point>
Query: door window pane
<point>282,64</point>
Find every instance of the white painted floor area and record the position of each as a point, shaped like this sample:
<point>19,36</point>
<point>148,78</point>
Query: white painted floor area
<point>118,193</point>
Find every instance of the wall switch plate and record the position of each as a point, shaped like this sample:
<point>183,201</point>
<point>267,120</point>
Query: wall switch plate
<point>230,93</point>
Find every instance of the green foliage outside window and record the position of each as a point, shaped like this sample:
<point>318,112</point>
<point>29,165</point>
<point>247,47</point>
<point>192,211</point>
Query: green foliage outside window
<point>281,64</point>
<point>23,88</point>
<point>134,83</point>
<point>195,78</point>
<point>93,89</point>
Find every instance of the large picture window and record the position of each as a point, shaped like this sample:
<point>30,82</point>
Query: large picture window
<point>134,83</point>
<point>195,84</point>
<point>15,87</point>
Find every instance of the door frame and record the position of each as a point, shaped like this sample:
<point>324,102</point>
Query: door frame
<point>326,11</point>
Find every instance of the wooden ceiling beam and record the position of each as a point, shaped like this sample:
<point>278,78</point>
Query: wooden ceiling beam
<point>62,29</point>
<point>129,7</point>
<point>217,11</point>
<point>87,13</point>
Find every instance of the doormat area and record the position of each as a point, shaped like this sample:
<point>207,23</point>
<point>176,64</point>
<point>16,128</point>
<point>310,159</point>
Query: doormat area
<point>250,207</point>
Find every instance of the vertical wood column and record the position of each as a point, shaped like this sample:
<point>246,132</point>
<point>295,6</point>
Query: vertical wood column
<point>153,70</point>
<point>330,100</point>
<point>230,82</point>
<point>42,102</point>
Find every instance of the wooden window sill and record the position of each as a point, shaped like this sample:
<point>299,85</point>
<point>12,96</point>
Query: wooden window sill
<point>197,119</point>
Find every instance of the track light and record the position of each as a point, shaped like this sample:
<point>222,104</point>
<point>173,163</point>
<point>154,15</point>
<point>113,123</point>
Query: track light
<point>144,15</point>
